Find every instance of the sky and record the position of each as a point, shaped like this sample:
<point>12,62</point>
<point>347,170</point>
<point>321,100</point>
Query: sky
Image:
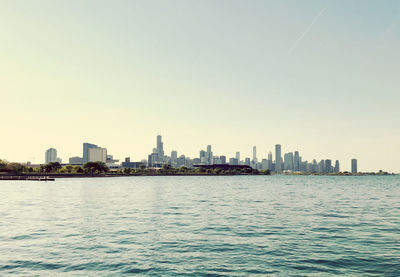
<point>320,77</point>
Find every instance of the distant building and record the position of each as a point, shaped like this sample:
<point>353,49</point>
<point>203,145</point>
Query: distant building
<point>264,164</point>
<point>97,154</point>
<point>76,161</point>
<point>237,157</point>
<point>255,154</point>
<point>354,166</point>
<point>51,156</point>
<point>288,161</point>
<point>296,161</point>
<point>128,164</point>
<point>160,148</point>
<point>174,158</point>
<point>86,147</point>
<point>247,161</point>
<point>337,167</point>
<point>223,159</point>
<point>233,161</point>
<point>270,161</point>
<point>328,166</point>
<point>278,158</point>
<point>209,155</point>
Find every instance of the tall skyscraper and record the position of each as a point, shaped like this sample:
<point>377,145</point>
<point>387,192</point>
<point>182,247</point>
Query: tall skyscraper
<point>160,147</point>
<point>86,147</point>
<point>337,166</point>
<point>254,154</point>
<point>278,158</point>
<point>354,166</point>
<point>288,161</point>
<point>209,155</point>
<point>296,161</point>
<point>238,157</point>
<point>174,158</point>
<point>270,161</point>
<point>328,166</point>
<point>51,155</point>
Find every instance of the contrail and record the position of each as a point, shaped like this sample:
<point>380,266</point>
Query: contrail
<point>307,30</point>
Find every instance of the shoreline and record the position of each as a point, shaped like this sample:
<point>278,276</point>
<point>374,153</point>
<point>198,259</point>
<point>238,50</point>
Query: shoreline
<point>53,176</point>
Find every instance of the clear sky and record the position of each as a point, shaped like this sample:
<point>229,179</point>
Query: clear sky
<point>321,77</point>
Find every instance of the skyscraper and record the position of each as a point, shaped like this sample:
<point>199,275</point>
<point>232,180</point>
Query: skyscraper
<point>160,147</point>
<point>328,166</point>
<point>254,154</point>
<point>174,158</point>
<point>270,161</point>
<point>337,166</point>
<point>51,155</point>
<point>209,155</point>
<point>353,165</point>
<point>296,161</point>
<point>238,157</point>
<point>86,147</point>
<point>278,158</point>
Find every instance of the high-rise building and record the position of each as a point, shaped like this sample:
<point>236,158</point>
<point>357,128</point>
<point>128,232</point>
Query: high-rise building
<point>174,158</point>
<point>233,161</point>
<point>86,147</point>
<point>337,166</point>
<point>97,154</point>
<point>296,161</point>
<point>247,161</point>
<point>328,166</point>
<point>209,155</point>
<point>270,161</point>
<point>278,158</point>
<point>288,161</point>
<point>238,157</point>
<point>354,166</point>
<point>51,155</point>
<point>254,154</point>
<point>160,147</point>
<point>223,159</point>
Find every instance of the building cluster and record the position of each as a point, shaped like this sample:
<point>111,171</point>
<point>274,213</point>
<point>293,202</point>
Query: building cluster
<point>288,162</point>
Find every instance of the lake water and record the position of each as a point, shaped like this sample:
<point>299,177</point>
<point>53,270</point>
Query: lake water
<point>201,226</point>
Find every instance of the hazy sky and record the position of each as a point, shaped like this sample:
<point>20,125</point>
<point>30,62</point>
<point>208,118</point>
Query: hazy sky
<point>321,77</point>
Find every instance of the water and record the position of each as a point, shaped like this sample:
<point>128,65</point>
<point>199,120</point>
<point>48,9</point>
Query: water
<point>198,226</point>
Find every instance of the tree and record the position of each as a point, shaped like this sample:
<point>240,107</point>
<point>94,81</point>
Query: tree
<point>50,167</point>
<point>95,167</point>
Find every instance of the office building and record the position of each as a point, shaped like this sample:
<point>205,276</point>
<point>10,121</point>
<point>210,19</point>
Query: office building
<point>97,154</point>
<point>86,147</point>
<point>354,166</point>
<point>160,148</point>
<point>237,157</point>
<point>278,158</point>
<point>296,161</point>
<point>337,167</point>
<point>51,155</point>
<point>223,159</point>
<point>174,158</point>
<point>254,154</point>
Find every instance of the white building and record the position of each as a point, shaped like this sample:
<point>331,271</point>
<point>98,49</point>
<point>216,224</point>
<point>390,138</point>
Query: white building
<point>98,154</point>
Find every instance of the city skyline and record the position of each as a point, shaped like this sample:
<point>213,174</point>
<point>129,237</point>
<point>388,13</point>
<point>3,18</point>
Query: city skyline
<point>277,162</point>
<point>320,76</point>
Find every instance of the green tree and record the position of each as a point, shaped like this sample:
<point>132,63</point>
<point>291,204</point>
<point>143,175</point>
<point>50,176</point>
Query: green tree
<point>95,167</point>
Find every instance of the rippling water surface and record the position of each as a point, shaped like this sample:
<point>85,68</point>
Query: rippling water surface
<point>197,226</point>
